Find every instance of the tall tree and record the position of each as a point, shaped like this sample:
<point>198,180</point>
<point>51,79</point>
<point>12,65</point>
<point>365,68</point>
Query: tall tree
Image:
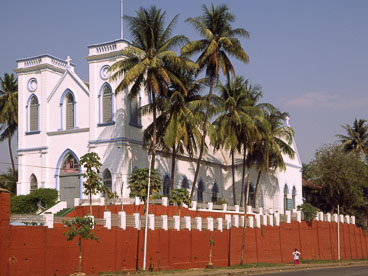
<point>276,142</point>
<point>235,114</point>
<point>219,40</point>
<point>356,138</point>
<point>178,130</point>
<point>9,113</point>
<point>150,61</point>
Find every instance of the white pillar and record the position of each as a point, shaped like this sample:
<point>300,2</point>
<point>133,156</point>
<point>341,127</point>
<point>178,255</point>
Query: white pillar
<point>228,221</point>
<point>164,222</point>
<point>102,201</point>
<point>137,221</point>
<point>257,218</point>
<point>352,219</point>
<point>288,216</point>
<point>250,222</point>
<point>236,221</point>
<point>342,218</point>
<point>199,223</point>
<point>335,218</point>
<point>188,223</point>
<point>219,224</point>
<point>137,201</point>
<point>107,217</point>
<point>151,219</point>
<point>270,219</point>
<point>242,218</point>
<point>276,219</point>
<point>210,206</point>
<point>328,217</point>
<point>49,220</point>
<point>194,205</point>
<point>264,220</point>
<point>347,219</point>
<point>237,208</point>
<point>249,209</point>
<point>224,207</point>
<point>298,216</point>
<point>320,214</point>
<point>260,210</point>
<point>122,216</point>
<point>177,223</point>
<point>210,224</point>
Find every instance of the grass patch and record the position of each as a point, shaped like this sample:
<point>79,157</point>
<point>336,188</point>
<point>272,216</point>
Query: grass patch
<point>332,261</point>
<point>252,265</point>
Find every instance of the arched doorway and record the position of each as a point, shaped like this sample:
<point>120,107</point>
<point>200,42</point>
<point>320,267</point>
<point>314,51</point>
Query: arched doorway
<point>69,178</point>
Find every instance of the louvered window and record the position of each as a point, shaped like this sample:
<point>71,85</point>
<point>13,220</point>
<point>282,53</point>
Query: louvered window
<point>107,104</point>
<point>33,114</point>
<point>134,111</point>
<point>69,110</point>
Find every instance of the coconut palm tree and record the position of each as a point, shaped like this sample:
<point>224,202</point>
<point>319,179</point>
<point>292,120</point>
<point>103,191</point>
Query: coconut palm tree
<point>235,114</point>
<point>9,113</point>
<point>219,40</point>
<point>150,62</point>
<point>356,138</point>
<point>178,130</point>
<point>269,150</point>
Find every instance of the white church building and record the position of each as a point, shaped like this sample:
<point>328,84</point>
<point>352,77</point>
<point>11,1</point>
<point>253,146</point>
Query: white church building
<point>62,117</point>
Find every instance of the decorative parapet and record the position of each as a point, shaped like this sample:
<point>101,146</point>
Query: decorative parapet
<point>44,61</point>
<point>106,49</point>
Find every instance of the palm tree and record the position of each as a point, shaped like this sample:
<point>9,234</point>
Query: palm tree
<point>235,114</point>
<point>150,62</point>
<point>356,138</point>
<point>9,113</point>
<point>218,41</point>
<point>268,152</point>
<point>177,122</point>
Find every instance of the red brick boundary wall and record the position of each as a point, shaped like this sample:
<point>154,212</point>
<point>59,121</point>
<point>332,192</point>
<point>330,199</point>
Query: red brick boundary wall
<point>38,250</point>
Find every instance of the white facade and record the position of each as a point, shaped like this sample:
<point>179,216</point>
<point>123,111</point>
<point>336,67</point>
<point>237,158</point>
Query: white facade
<point>44,145</point>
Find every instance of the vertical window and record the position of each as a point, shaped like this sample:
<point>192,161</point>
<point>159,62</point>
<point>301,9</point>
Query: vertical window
<point>200,191</point>
<point>33,114</point>
<point>33,181</point>
<point>251,194</point>
<point>294,197</point>
<point>166,186</point>
<point>134,111</point>
<point>107,179</point>
<point>185,183</point>
<point>69,111</point>
<point>287,202</point>
<point>214,193</point>
<point>106,104</point>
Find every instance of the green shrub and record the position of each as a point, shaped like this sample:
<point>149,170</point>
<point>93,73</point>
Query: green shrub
<point>309,211</point>
<point>22,204</point>
<point>28,204</point>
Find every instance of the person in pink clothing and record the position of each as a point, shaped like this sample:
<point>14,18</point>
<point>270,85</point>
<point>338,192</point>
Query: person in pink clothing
<point>296,255</point>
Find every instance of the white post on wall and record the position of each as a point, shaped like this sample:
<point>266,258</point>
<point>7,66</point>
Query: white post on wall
<point>121,20</point>
<point>338,232</point>
<point>146,228</point>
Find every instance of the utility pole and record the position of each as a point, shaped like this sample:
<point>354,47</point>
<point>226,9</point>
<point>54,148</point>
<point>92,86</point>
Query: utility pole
<point>146,228</point>
<point>338,232</point>
<point>121,20</point>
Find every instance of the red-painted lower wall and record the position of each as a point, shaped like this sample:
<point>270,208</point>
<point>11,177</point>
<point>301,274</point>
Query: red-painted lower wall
<point>35,250</point>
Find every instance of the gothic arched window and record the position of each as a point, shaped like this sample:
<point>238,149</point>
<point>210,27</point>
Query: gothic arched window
<point>166,186</point>
<point>251,194</point>
<point>34,184</point>
<point>200,191</point>
<point>107,179</point>
<point>185,183</point>
<point>294,197</point>
<point>214,193</point>
<point>134,111</point>
<point>69,111</point>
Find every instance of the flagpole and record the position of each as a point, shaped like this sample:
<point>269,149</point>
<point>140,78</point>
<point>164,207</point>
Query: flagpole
<point>121,19</point>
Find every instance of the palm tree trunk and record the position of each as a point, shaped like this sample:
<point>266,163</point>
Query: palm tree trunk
<point>204,134</point>
<point>90,204</point>
<point>154,134</point>
<point>256,190</point>
<point>245,221</point>
<point>242,182</point>
<point>80,255</point>
<point>233,173</point>
<point>173,159</point>
<point>11,157</point>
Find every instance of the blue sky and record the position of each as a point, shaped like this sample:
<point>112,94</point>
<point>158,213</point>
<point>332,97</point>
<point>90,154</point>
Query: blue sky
<point>309,56</point>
